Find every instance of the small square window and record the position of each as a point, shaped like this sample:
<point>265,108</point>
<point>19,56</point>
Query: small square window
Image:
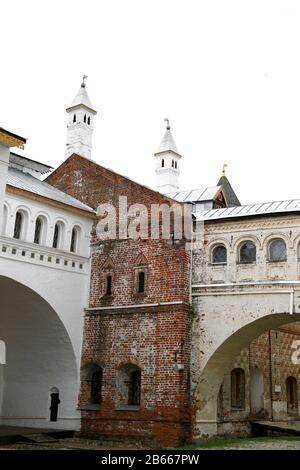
<point>41,257</point>
<point>49,259</point>
<point>23,253</point>
<point>4,249</point>
<point>14,251</point>
<point>32,255</point>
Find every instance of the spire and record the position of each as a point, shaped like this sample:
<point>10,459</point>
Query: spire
<point>167,163</point>
<point>80,125</point>
<point>167,144</point>
<point>229,194</point>
<point>82,98</point>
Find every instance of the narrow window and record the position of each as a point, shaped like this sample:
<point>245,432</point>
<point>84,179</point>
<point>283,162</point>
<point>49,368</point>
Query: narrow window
<point>238,389</point>
<point>292,395</point>
<point>73,240</point>
<point>172,163</point>
<point>18,225</point>
<point>108,290</point>
<point>74,118</point>
<point>162,163</point>
<point>141,282</point>
<point>134,389</point>
<point>38,230</point>
<point>89,120</point>
<point>84,119</point>
<point>96,386</point>
<point>219,254</point>
<point>277,250</point>
<point>56,236</point>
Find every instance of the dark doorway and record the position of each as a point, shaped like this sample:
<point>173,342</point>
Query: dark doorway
<point>55,401</point>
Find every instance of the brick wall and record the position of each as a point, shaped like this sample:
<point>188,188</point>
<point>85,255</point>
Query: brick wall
<point>144,332</point>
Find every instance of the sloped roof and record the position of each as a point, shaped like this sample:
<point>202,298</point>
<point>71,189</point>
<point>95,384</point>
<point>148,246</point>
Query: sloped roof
<point>195,195</point>
<point>250,210</point>
<point>167,143</point>
<point>25,181</point>
<point>82,98</point>
<point>229,194</point>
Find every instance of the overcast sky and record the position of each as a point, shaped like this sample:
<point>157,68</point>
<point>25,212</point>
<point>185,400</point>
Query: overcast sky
<point>226,73</point>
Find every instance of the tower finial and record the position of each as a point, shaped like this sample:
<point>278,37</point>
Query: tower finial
<point>168,124</point>
<point>223,170</point>
<point>83,81</point>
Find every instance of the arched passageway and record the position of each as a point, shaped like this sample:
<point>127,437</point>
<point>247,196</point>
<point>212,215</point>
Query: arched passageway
<point>206,398</point>
<point>39,356</point>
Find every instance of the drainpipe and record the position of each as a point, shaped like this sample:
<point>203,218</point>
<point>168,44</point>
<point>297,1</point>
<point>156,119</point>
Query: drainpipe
<point>271,375</point>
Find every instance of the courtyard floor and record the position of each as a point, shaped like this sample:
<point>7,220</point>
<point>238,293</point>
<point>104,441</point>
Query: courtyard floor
<point>260,443</point>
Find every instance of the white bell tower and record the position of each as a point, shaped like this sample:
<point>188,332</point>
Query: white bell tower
<point>167,164</point>
<point>80,124</point>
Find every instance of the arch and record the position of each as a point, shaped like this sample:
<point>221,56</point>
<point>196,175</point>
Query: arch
<point>237,389</point>
<point>40,230</point>
<point>214,367</point>
<point>75,239</point>
<point>74,117</point>
<point>84,119</point>
<point>277,250</point>
<point>292,396</point>
<point>19,226</point>
<point>39,346</point>
<point>59,234</point>
<point>238,242</point>
<point>219,254</point>
<point>247,252</point>
<point>284,236</point>
<point>91,380</point>
<point>89,120</point>
<point>162,162</point>
<point>129,379</point>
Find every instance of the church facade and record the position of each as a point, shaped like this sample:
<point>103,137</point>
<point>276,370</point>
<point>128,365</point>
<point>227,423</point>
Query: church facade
<point>163,338</point>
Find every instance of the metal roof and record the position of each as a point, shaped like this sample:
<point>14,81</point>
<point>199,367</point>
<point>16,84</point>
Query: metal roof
<point>195,195</point>
<point>41,168</point>
<point>167,144</point>
<point>25,181</point>
<point>82,98</point>
<point>250,210</point>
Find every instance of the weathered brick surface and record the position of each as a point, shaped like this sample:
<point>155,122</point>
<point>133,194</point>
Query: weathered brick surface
<point>156,337</point>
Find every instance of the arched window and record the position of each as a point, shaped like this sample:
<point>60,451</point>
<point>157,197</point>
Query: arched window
<point>238,389</point>
<point>162,163</point>
<point>277,250</point>
<point>247,252</point>
<point>74,240</point>
<point>56,236</point>
<point>54,402</point>
<point>89,120</point>
<point>18,225</point>
<point>175,164</point>
<point>172,163</point>
<point>129,379</point>
<point>219,254</point>
<point>74,118</point>
<point>84,119</point>
<point>38,230</point>
<point>292,395</point>
<point>92,376</point>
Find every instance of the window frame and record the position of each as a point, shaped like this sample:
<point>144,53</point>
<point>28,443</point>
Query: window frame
<point>214,247</point>
<point>241,245</point>
<point>273,240</point>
